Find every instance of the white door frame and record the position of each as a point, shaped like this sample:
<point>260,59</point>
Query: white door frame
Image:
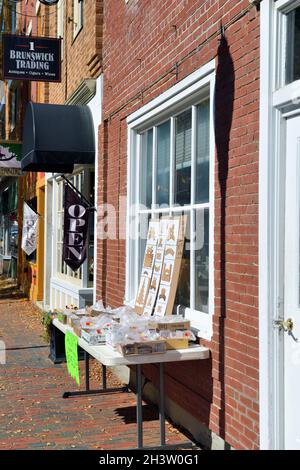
<point>276,101</point>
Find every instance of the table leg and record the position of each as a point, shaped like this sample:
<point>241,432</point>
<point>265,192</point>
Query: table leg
<point>87,370</point>
<point>162,405</point>
<point>87,390</point>
<point>139,413</point>
<point>104,386</point>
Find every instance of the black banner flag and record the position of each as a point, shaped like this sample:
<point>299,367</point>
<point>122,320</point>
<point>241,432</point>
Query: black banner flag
<point>76,220</point>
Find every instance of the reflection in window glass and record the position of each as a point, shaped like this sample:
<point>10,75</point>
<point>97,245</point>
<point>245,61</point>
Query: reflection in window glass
<point>143,230</point>
<point>202,153</point>
<point>146,169</point>
<point>184,286</point>
<point>201,260</point>
<point>293,46</point>
<point>183,154</point>
<point>163,164</point>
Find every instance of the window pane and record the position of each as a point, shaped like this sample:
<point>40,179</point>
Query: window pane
<point>202,153</point>
<point>201,260</point>
<point>143,230</point>
<point>293,46</point>
<point>183,155</point>
<point>182,298</point>
<point>163,164</point>
<point>146,169</point>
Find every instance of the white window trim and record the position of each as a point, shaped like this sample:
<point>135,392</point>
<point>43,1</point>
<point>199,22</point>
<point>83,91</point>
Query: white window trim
<point>181,93</point>
<point>77,17</point>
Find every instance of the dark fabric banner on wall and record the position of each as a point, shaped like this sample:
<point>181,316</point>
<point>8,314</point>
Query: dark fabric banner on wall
<point>76,219</point>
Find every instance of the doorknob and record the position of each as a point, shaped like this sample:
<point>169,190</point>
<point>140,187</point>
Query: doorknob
<point>285,325</point>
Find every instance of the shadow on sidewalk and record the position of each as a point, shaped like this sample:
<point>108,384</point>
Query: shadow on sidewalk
<point>9,290</point>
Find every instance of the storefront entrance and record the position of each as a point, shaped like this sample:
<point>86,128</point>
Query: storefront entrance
<point>291,326</point>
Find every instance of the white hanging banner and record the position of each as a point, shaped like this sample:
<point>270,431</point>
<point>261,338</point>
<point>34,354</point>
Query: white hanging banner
<point>30,229</point>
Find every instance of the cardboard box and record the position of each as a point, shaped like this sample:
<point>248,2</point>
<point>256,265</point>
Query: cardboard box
<point>146,347</point>
<point>94,339</point>
<point>177,343</point>
<point>179,325</point>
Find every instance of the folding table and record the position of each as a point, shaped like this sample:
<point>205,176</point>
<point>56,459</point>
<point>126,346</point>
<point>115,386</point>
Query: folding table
<point>108,357</point>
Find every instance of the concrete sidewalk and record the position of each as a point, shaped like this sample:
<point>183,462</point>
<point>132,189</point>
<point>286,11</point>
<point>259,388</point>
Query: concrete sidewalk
<point>33,414</point>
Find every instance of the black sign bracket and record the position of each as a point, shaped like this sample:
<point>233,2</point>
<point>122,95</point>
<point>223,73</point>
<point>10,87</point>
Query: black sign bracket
<point>90,207</point>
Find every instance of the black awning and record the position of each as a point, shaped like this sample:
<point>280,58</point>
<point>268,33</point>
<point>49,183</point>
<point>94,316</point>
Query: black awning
<point>55,137</point>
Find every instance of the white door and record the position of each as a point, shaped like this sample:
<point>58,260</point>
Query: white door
<point>291,385</point>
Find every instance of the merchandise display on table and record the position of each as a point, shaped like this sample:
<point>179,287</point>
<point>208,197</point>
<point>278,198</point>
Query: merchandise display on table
<point>149,327</point>
<point>126,331</point>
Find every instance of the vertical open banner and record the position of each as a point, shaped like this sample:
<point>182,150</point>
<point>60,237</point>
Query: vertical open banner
<point>76,221</point>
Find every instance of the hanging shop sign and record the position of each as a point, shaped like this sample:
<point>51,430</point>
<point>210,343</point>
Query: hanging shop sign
<point>30,229</point>
<point>76,219</point>
<point>31,58</point>
<point>10,158</point>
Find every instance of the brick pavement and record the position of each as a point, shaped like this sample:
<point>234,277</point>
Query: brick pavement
<point>32,413</point>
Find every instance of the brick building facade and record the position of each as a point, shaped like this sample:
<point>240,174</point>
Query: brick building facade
<point>147,52</point>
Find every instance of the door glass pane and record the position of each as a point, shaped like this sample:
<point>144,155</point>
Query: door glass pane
<point>201,259</point>
<point>146,169</point>
<point>293,46</point>
<point>182,298</point>
<point>183,155</point>
<point>163,164</point>
<point>202,154</point>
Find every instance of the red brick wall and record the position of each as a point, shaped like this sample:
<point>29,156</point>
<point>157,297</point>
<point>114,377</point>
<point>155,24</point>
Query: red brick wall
<point>82,55</point>
<point>143,40</point>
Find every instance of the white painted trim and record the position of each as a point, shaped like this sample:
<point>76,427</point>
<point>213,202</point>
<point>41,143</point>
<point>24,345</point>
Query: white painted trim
<point>265,275</point>
<point>96,100</point>
<point>286,5</point>
<point>178,89</point>
<point>274,105</point>
<point>69,288</point>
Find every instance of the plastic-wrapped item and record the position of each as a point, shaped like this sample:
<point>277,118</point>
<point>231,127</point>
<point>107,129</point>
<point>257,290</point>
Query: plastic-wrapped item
<point>70,318</point>
<point>187,334</point>
<point>169,322</point>
<point>133,320</point>
<point>98,306</point>
<point>81,312</point>
<point>122,334</point>
<point>87,322</point>
<point>94,336</point>
<point>103,321</point>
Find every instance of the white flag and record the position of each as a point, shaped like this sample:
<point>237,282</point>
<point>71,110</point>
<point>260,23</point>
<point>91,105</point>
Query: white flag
<point>30,228</point>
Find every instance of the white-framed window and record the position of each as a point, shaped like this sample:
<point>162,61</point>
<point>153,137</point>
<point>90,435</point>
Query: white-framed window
<point>171,172</point>
<point>77,16</point>
<point>287,27</point>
